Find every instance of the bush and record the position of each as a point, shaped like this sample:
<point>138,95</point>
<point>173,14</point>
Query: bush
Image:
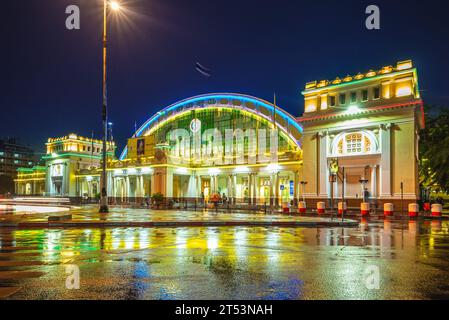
<point>157,197</point>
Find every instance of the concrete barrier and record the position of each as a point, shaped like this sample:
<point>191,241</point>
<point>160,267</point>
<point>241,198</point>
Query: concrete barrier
<point>388,209</point>
<point>437,210</point>
<point>302,207</point>
<point>321,207</point>
<point>342,208</point>
<point>364,208</point>
<point>413,210</point>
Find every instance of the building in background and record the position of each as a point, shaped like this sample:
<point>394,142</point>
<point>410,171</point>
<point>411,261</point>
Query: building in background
<point>13,155</point>
<point>367,126</point>
<point>65,157</point>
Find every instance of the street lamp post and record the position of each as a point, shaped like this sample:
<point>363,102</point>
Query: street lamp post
<point>103,181</point>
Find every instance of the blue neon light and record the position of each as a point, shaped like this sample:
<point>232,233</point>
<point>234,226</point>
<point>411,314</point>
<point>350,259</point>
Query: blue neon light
<point>290,119</point>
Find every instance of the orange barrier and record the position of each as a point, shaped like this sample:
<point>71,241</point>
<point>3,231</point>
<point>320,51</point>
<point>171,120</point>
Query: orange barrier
<point>364,208</point>
<point>437,210</point>
<point>413,210</point>
<point>302,207</point>
<point>342,208</point>
<point>321,207</point>
<point>388,209</point>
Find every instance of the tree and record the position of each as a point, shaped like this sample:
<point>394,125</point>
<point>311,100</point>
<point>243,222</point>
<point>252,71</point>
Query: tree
<point>434,151</point>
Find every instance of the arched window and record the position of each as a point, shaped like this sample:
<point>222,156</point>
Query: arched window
<point>354,143</point>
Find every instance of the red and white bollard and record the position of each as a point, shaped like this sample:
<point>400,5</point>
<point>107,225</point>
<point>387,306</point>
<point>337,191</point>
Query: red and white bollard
<point>302,207</point>
<point>437,210</point>
<point>321,207</point>
<point>413,210</point>
<point>342,207</point>
<point>388,209</point>
<point>364,208</point>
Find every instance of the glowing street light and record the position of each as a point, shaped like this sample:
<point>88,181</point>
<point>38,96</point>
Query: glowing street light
<point>115,6</point>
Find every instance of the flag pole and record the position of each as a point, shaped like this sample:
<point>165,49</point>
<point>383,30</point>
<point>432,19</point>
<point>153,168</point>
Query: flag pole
<point>274,110</point>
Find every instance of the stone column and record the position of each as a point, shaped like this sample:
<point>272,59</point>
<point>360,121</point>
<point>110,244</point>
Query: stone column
<point>127,188</point>
<point>295,187</point>
<point>212,184</point>
<point>216,183</point>
<point>374,181</point>
<point>234,188</point>
<point>323,167</point>
<point>111,187</point>
<point>250,194</point>
<point>385,161</point>
<point>229,186</point>
<point>255,189</point>
<point>276,192</point>
<point>198,187</point>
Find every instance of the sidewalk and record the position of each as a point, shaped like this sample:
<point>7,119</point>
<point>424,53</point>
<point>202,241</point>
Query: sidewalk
<point>125,217</point>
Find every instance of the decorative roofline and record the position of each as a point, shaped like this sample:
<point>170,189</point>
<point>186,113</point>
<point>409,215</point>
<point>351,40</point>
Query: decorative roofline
<point>363,111</point>
<point>401,67</point>
<point>74,136</point>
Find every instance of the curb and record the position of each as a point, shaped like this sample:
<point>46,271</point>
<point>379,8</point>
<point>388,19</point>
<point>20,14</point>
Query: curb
<point>178,224</point>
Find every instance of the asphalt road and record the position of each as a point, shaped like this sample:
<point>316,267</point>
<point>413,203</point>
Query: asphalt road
<point>410,260</point>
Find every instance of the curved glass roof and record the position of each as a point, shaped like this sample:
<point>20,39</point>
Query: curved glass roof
<point>284,121</point>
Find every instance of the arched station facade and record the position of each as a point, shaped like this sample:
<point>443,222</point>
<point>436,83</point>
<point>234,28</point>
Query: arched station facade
<point>242,148</point>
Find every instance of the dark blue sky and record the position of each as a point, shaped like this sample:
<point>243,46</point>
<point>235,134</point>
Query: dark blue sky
<point>51,77</point>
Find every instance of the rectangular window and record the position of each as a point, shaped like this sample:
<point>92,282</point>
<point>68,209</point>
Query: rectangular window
<point>16,161</point>
<point>342,99</point>
<point>364,95</point>
<point>353,97</point>
<point>332,101</point>
<point>2,153</point>
<point>376,93</point>
<point>16,155</point>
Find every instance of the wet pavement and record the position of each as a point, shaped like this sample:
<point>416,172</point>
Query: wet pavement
<point>412,259</point>
<point>118,214</point>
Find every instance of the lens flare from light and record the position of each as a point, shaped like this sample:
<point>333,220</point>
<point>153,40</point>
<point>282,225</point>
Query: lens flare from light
<point>115,5</point>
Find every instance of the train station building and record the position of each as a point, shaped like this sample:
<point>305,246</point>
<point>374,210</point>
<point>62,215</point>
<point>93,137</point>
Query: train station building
<point>360,130</point>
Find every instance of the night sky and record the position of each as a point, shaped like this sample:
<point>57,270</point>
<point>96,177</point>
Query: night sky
<point>51,76</point>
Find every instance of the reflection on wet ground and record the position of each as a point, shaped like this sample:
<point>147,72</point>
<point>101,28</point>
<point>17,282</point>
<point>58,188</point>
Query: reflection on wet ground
<point>30,209</point>
<point>138,215</point>
<point>230,263</point>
